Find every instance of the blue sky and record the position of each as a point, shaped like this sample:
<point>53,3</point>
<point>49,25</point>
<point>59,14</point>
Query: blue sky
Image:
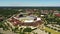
<point>29,2</point>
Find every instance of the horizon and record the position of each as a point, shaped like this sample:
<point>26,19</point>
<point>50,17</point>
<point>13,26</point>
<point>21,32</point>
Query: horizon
<point>29,6</point>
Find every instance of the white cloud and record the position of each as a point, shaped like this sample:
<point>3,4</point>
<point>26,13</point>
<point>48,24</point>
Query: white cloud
<point>29,4</point>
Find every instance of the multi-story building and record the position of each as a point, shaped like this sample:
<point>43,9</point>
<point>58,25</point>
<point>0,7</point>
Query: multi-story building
<point>51,11</point>
<point>44,12</point>
<point>56,12</point>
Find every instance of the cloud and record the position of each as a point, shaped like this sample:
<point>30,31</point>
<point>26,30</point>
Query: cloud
<point>29,4</point>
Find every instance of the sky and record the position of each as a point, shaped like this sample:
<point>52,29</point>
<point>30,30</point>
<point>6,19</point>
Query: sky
<point>29,2</point>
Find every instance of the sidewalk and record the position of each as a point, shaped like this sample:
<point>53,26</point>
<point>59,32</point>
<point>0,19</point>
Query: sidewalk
<point>6,32</point>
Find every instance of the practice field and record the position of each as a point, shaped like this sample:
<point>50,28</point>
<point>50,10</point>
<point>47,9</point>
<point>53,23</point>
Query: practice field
<point>51,30</point>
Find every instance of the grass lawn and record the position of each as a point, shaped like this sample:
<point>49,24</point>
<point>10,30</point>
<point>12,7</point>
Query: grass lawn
<point>51,30</point>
